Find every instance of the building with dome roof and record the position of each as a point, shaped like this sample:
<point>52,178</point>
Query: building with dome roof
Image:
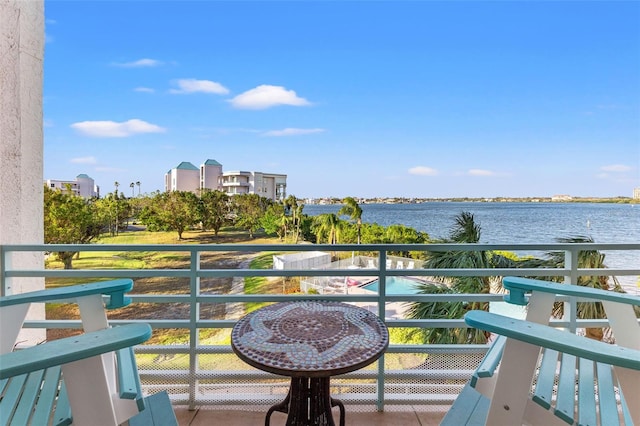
<point>83,186</point>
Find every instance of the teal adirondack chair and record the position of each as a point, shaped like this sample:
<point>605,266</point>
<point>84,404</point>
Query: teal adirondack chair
<point>89,379</point>
<point>536,374</point>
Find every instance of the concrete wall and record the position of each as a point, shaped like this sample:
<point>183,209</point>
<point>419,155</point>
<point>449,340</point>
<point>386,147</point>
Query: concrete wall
<point>186,180</point>
<point>21,147</point>
<point>210,176</point>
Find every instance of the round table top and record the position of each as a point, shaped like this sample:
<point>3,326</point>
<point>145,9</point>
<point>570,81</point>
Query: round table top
<point>310,338</point>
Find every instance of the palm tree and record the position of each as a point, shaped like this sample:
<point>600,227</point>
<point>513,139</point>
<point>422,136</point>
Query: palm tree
<point>116,184</point>
<point>291,207</point>
<point>327,225</point>
<point>297,225</point>
<point>354,211</point>
<point>138,184</point>
<point>132,185</point>
<point>464,231</point>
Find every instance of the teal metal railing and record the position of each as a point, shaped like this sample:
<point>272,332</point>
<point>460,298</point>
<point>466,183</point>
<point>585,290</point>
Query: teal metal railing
<point>199,373</point>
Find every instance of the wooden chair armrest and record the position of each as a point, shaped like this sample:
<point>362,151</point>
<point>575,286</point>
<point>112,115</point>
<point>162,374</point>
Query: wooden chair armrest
<point>489,363</point>
<point>549,337</point>
<point>69,349</point>
<point>128,378</point>
<point>115,289</point>
<point>518,286</point>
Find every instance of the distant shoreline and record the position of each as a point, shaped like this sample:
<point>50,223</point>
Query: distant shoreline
<point>400,200</point>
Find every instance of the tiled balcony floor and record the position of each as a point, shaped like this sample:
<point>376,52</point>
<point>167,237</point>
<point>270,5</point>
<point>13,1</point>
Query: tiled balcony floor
<point>254,416</point>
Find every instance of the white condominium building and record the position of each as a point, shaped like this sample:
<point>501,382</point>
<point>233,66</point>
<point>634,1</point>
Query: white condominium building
<point>210,174</point>
<point>268,185</point>
<point>184,177</point>
<point>83,185</point>
<point>187,177</point>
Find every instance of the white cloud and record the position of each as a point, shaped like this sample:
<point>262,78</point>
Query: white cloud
<point>290,131</point>
<point>191,85</point>
<point>112,129</point>
<point>144,90</point>
<point>423,171</point>
<point>140,63</point>
<point>618,168</point>
<point>84,160</point>
<point>267,96</point>
<point>480,172</point>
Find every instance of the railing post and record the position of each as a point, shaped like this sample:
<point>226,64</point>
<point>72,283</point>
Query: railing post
<point>194,310</point>
<point>382,292</point>
<point>571,307</point>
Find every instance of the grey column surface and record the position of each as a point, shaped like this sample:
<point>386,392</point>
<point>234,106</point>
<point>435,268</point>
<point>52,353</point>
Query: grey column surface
<point>21,138</point>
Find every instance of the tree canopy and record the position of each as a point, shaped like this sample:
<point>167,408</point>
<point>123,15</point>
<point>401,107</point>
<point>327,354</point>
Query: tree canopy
<point>174,210</point>
<point>249,209</point>
<point>69,219</point>
<point>214,210</point>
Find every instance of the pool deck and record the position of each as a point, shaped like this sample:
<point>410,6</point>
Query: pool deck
<point>393,310</point>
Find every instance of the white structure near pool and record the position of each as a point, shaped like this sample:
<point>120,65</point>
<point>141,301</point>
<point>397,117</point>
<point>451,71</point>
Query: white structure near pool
<point>346,284</point>
<point>303,260</point>
<point>360,284</point>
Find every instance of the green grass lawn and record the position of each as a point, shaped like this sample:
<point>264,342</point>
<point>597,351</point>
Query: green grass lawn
<point>163,285</point>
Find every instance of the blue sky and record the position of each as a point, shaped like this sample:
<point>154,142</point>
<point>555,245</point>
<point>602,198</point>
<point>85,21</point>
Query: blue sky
<point>363,99</point>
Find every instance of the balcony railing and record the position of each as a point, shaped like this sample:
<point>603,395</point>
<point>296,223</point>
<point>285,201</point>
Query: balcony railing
<point>235,183</point>
<point>204,371</point>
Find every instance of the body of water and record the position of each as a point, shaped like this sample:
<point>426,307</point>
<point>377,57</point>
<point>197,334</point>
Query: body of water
<point>510,223</point>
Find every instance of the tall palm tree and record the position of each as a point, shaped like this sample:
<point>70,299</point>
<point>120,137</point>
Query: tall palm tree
<point>291,207</point>
<point>138,184</point>
<point>464,231</point>
<point>132,185</point>
<point>297,225</point>
<point>116,184</point>
<point>354,211</point>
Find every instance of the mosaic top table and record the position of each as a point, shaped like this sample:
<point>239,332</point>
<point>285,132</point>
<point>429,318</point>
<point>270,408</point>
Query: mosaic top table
<point>310,341</point>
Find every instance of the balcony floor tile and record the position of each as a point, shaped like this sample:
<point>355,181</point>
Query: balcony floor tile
<point>255,416</point>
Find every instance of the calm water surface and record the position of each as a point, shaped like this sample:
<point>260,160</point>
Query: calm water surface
<point>509,223</point>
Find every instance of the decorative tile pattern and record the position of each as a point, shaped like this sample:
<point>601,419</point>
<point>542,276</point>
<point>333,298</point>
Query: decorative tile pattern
<point>310,338</point>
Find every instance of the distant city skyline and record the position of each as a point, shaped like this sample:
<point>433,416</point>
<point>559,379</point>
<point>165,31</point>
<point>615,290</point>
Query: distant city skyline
<point>365,99</point>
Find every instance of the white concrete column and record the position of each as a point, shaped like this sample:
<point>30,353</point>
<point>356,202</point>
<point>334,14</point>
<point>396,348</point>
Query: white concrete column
<point>21,137</point>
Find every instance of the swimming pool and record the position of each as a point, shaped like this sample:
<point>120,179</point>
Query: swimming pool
<point>395,285</point>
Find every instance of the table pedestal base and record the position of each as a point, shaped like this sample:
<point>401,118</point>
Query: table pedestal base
<point>308,403</point>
